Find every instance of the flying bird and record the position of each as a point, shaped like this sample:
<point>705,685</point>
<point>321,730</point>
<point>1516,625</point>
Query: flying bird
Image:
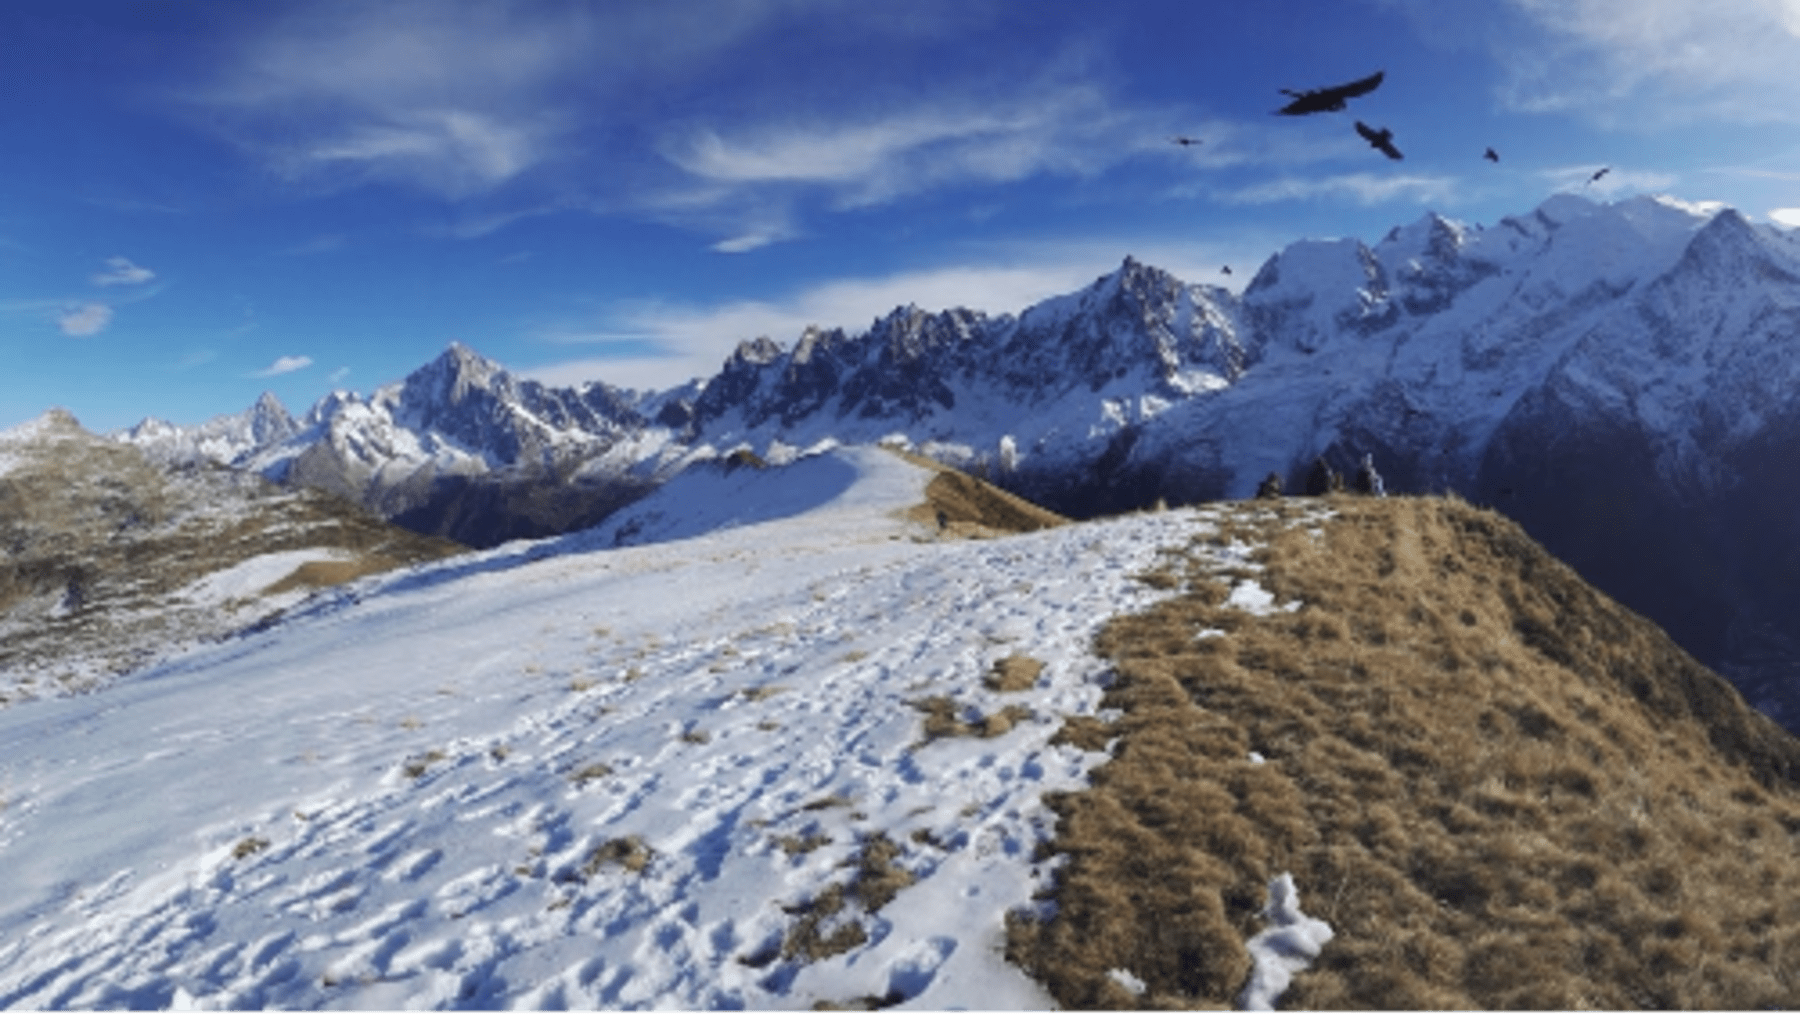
<point>1382,139</point>
<point>1328,100</point>
<point>1185,141</point>
<point>1225,270</point>
<point>1492,155</point>
<point>1603,171</point>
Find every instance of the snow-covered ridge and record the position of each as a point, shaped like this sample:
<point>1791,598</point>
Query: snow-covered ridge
<point>440,792</point>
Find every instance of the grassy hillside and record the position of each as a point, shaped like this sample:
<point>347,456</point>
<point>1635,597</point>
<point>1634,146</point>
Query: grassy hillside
<point>103,550</point>
<point>1500,788</point>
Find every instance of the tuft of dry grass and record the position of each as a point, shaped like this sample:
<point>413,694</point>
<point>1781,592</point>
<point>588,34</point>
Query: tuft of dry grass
<point>1501,788</point>
<point>415,768</point>
<point>1016,672</point>
<point>629,852</point>
<point>249,847</point>
<point>941,719</point>
<point>827,923</point>
<point>796,845</point>
<point>590,773</point>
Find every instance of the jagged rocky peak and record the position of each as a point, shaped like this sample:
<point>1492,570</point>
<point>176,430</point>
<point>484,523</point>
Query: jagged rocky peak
<point>908,334</point>
<point>448,380</point>
<point>270,421</point>
<point>815,342</point>
<point>759,351</point>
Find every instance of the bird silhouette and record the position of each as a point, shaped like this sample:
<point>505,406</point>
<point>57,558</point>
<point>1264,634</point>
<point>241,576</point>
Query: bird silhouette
<point>1225,270</point>
<point>1603,171</point>
<point>1382,140</point>
<point>1328,100</point>
<point>1185,141</point>
<point>1492,155</point>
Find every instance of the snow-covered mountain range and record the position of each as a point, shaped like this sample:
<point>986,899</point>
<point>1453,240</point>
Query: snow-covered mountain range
<point>1620,378</point>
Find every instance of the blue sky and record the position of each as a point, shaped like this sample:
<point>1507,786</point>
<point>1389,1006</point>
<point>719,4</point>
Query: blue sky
<point>201,201</point>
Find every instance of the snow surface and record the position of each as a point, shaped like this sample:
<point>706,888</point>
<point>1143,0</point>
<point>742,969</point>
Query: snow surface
<point>1287,947</point>
<point>248,578</point>
<point>392,798</point>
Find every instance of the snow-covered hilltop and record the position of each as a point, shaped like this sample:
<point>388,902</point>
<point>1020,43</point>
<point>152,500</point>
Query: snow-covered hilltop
<point>810,749</point>
<point>1618,377</point>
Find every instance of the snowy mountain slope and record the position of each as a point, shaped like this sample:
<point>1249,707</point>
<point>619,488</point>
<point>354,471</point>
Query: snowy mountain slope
<point>545,776</point>
<point>1621,371</point>
<point>747,768</point>
<point>113,560</point>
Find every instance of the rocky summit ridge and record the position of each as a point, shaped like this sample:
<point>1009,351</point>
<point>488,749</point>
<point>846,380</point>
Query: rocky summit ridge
<point>1617,377</point>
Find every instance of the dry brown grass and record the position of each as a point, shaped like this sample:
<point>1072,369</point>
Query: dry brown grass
<point>941,719</point>
<point>827,923</point>
<point>1500,788</point>
<point>318,574</point>
<point>249,847</point>
<point>415,768</point>
<point>971,508</point>
<point>629,853</point>
<point>590,773</point>
<point>1016,672</point>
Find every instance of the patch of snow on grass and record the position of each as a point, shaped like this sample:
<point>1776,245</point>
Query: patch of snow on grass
<point>1287,947</point>
<point>1123,978</point>
<point>1251,597</point>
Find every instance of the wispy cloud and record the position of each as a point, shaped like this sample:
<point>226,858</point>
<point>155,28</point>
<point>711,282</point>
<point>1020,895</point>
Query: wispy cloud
<point>122,272</point>
<point>85,320</point>
<point>1363,188</point>
<point>454,98</point>
<point>1655,63</point>
<point>746,181</point>
<point>1787,217</point>
<point>446,98</point>
<point>324,244</point>
<point>337,376</point>
<point>284,365</point>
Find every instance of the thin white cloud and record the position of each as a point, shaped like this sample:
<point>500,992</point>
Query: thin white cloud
<point>284,365</point>
<point>337,376</point>
<point>1655,63</point>
<point>323,244</point>
<point>1364,188</point>
<point>1786,217</point>
<point>122,272</point>
<point>85,320</point>
<point>454,98</point>
<point>745,181</point>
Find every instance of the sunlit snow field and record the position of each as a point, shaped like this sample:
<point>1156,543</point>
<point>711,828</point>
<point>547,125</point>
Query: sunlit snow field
<point>396,797</point>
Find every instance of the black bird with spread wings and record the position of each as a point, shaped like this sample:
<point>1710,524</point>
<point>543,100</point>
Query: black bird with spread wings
<point>1596,177</point>
<point>1492,155</point>
<point>1382,139</point>
<point>1184,141</point>
<point>1328,100</point>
